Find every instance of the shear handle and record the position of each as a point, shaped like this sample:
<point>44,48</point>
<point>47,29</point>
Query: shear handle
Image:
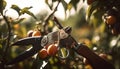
<point>95,61</point>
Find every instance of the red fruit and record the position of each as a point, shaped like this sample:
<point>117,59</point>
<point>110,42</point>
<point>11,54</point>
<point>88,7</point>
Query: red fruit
<point>85,61</point>
<point>36,33</point>
<point>29,33</point>
<point>111,20</point>
<point>114,31</point>
<point>52,50</point>
<point>89,2</point>
<point>102,55</point>
<point>43,53</point>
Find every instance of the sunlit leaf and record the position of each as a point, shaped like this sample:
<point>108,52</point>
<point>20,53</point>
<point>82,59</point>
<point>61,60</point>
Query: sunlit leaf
<point>91,8</point>
<point>74,3</point>
<point>69,7</point>
<point>21,20</point>
<point>18,21</point>
<point>46,1</point>
<point>27,8</point>
<point>2,5</point>
<point>15,7</point>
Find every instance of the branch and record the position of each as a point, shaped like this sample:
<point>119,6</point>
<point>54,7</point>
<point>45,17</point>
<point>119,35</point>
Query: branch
<point>47,19</point>
<point>8,37</point>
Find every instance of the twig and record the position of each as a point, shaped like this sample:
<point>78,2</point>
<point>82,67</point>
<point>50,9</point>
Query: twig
<point>47,19</point>
<point>8,37</point>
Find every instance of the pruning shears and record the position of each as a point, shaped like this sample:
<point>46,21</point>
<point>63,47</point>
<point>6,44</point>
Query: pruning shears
<point>65,40</point>
<point>62,36</point>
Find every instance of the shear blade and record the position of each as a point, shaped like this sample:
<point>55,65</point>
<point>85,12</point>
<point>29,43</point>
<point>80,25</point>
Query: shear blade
<point>28,41</point>
<point>23,56</point>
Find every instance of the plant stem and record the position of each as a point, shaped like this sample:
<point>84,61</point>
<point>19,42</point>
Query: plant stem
<point>47,19</point>
<point>9,33</point>
<point>8,38</point>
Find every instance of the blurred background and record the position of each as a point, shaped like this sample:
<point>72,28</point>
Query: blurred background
<point>86,17</point>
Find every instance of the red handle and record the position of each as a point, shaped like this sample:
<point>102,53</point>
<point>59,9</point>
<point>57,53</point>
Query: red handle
<point>95,61</point>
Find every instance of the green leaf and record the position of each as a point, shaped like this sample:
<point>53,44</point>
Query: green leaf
<point>21,20</point>
<point>15,7</point>
<point>64,4</point>
<point>18,21</point>
<point>2,5</point>
<point>74,3</point>
<point>26,10</point>
<point>54,0</point>
<point>91,8</point>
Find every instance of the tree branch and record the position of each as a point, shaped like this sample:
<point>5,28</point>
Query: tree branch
<point>8,37</point>
<point>47,19</point>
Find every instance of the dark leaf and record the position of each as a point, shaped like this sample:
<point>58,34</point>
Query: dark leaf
<point>54,0</point>
<point>1,51</point>
<point>15,7</point>
<point>64,4</point>
<point>91,8</point>
<point>83,0</point>
<point>2,5</point>
<point>74,3</point>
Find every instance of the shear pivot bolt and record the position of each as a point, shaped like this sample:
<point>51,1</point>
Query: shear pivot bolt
<point>44,41</point>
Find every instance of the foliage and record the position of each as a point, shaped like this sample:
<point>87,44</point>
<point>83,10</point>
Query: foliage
<point>88,27</point>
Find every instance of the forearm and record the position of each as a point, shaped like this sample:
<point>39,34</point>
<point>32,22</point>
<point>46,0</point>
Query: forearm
<point>95,61</point>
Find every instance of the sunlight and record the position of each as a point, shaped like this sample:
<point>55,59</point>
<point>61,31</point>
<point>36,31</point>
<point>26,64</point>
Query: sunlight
<point>38,6</point>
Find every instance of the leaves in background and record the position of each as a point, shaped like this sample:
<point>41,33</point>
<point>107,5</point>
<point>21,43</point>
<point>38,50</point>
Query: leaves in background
<point>23,11</point>
<point>2,5</point>
<point>26,10</point>
<point>83,0</point>
<point>16,8</point>
<point>18,21</point>
<point>54,0</point>
<point>74,3</point>
<point>64,4</point>
<point>90,10</point>
<point>49,5</point>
